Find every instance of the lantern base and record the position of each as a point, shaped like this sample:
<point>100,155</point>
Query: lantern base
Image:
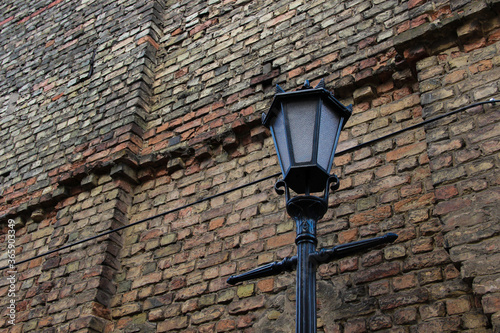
<point>281,187</point>
<point>306,208</point>
<point>306,179</point>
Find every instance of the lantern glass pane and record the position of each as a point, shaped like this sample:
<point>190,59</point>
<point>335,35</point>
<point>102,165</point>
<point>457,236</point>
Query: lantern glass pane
<point>279,135</point>
<point>301,117</point>
<point>328,132</point>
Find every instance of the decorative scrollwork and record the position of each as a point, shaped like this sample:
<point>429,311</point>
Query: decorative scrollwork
<point>278,188</point>
<point>278,185</point>
<point>333,182</point>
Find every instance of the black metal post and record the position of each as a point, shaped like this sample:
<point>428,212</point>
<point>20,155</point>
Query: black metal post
<point>306,211</point>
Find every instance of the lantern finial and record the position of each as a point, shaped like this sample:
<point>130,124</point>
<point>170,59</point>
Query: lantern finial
<point>321,84</point>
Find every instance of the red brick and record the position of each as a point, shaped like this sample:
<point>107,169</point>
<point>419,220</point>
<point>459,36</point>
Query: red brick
<point>372,258</point>
<point>367,42</point>
<point>280,240</point>
<point>446,192</point>
<point>371,216</point>
<point>202,26</point>
<point>245,321</point>
<point>406,151</point>
<point>232,230</point>
<point>7,20</point>
<point>225,325</point>
<point>296,72</point>
<point>492,38</point>
<point>347,236</point>
<point>281,18</point>
<point>55,98</point>
<point>330,58</point>
<point>415,3</point>
<point>264,77</point>
<point>348,265</point>
<point>265,285</point>
<point>150,40</point>
<point>216,223</point>
<point>313,65</point>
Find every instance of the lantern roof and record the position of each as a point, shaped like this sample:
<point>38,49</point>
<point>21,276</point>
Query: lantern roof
<point>306,90</point>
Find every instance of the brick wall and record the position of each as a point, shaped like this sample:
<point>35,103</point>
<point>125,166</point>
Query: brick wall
<point>113,113</point>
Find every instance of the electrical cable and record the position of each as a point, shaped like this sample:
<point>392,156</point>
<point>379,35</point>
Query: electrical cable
<point>345,151</point>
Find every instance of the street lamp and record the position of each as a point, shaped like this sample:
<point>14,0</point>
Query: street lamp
<point>305,125</point>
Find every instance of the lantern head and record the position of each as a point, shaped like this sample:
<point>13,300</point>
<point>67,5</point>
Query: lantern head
<point>305,126</point>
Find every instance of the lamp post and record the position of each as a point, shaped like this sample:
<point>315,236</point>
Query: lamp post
<point>305,126</point>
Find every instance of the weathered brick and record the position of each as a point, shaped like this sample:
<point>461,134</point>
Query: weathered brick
<point>191,291</point>
<point>377,272</point>
<point>428,259</point>
<point>356,325</point>
<point>378,322</point>
<point>399,105</point>
<point>430,275</point>
<point>404,282</point>
<point>457,306</point>
<point>436,309</point>
<point>400,299</point>
<point>246,304</point>
<point>405,316</point>
<point>172,324</point>
<point>363,165</point>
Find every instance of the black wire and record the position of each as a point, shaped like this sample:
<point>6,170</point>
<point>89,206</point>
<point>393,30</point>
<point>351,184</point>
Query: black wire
<point>425,122</point>
<point>345,151</point>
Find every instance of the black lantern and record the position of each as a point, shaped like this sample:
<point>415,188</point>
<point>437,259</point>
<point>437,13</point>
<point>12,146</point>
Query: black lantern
<point>305,126</point>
